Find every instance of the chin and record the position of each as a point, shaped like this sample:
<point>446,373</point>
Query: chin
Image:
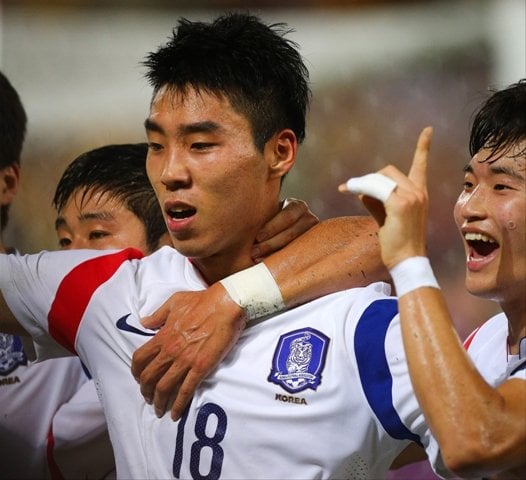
<point>484,292</point>
<point>188,248</point>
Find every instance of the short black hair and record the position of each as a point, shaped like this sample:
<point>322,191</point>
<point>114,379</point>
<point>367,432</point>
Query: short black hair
<point>500,123</point>
<point>252,64</point>
<point>119,170</point>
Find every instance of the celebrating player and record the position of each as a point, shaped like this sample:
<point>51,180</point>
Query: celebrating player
<point>477,415</point>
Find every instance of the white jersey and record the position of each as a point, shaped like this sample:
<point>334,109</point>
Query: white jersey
<point>488,348</point>
<point>51,422</point>
<point>319,391</point>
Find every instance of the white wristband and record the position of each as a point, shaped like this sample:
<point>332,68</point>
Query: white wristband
<point>413,273</point>
<point>255,291</point>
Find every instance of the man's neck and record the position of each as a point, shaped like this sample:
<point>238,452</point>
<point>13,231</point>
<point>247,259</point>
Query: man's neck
<point>238,256</point>
<point>216,268</point>
<point>516,315</point>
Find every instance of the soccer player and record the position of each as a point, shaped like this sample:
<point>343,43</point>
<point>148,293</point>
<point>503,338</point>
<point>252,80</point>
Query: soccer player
<point>104,200</point>
<point>478,415</point>
<point>310,392</point>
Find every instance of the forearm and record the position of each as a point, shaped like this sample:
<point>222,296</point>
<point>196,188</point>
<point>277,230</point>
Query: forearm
<point>334,255</point>
<point>477,427</point>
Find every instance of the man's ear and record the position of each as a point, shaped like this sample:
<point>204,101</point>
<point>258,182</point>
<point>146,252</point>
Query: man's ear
<point>282,150</point>
<point>9,181</point>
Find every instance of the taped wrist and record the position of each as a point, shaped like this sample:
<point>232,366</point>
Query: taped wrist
<point>255,291</point>
<point>413,273</point>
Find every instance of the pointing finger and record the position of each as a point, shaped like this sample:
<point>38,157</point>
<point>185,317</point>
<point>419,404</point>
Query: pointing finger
<point>418,171</point>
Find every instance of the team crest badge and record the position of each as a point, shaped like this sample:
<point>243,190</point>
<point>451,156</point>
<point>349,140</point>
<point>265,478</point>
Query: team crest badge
<point>11,353</point>
<point>299,359</point>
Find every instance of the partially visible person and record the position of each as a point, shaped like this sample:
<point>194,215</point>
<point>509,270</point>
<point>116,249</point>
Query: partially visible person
<point>104,200</point>
<point>474,401</point>
<point>36,423</point>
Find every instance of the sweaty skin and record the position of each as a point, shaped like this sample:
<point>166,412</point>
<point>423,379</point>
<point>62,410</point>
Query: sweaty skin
<point>482,432</point>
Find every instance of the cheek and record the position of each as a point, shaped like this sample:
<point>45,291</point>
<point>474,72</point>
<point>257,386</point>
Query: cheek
<point>153,170</point>
<point>511,219</point>
<point>457,210</point>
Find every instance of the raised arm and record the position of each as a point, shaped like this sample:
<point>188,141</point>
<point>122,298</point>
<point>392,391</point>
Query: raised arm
<point>202,327</point>
<point>481,430</point>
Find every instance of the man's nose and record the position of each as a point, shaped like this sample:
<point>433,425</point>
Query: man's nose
<point>175,173</point>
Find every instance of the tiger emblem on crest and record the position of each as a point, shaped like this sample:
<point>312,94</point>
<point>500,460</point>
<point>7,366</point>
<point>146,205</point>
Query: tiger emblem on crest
<point>299,359</point>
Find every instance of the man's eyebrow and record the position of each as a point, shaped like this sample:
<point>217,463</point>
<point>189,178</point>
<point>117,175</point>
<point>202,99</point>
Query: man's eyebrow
<point>497,169</point>
<point>206,126</point>
<point>152,126</point>
<point>60,222</point>
<point>99,215</point>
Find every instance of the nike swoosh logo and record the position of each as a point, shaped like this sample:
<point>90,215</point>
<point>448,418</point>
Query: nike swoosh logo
<point>122,324</point>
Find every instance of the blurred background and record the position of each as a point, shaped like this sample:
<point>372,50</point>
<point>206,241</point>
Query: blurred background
<point>380,71</point>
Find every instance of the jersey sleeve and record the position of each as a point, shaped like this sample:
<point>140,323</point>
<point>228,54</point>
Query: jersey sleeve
<point>55,286</point>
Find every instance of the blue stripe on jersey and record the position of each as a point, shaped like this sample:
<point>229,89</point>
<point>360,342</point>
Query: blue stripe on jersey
<point>373,367</point>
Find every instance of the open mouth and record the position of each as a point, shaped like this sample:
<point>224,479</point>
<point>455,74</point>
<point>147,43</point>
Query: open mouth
<point>480,245</point>
<point>181,213</point>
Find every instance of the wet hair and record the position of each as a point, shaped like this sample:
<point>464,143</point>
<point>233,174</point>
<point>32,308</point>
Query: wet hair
<point>237,56</point>
<point>13,123</point>
<point>500,123</point>
<point>120,171</point>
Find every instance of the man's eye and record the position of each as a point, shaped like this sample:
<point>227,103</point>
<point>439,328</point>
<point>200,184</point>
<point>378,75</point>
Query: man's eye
<point>98,235</point>
<point>501,186</point>
<point>155,147</point>
<point>64,242</point>
<point>467,185</point>
<point>202,145</point>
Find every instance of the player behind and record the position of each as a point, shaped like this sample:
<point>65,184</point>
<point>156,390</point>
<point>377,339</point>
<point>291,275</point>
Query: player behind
<point>475,401</point>
<point>104,200</point>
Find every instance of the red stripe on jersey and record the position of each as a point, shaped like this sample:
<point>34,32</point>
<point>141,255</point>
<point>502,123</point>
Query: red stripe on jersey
<point>75,292</point>
<point>470,338</point>
<point>54,471</point>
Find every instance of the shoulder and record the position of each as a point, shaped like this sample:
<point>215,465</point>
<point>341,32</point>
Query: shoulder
<point>168,265</point>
